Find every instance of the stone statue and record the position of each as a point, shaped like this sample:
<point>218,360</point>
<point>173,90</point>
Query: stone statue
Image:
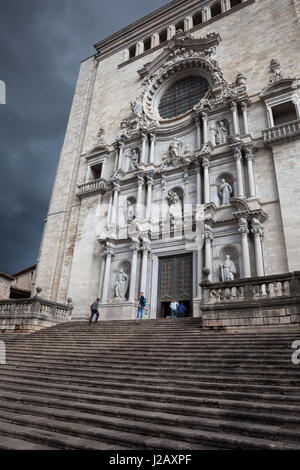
<point>123,133</point>
<point>129,211</point>
<point>121,285</point>
<point>225,192</point>
<point>227,270</point>
<point>134,159</point>
<point>221,133</point>
<point>137,107</point>
<point>175,148</point>
<point>175,208</point>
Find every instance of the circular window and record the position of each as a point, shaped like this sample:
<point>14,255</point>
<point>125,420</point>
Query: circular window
<point>182,96</point>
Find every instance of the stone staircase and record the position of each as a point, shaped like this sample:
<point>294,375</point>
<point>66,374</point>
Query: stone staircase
<point>151,384</point>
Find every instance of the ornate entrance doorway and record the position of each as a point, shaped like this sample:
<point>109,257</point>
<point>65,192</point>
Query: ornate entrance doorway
<point>175,281</point>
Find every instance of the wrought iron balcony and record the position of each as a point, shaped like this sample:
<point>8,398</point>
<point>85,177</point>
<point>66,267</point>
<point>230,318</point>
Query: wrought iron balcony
<point>283,131</point>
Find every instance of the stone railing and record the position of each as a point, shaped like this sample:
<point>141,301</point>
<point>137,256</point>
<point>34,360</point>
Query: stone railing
<point>27,315</point>
<point>267,300</point>
<point>95,186</point>
<point>283,131</point>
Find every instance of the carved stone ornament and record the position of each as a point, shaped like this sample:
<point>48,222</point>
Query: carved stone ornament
<point>276,73</point>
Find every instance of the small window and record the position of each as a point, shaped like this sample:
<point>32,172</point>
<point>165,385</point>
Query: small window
<point>179,26</point>
<point>234,3</point>
<point>132,51</point>
<point>147,44</point>
<point>163,36</point>
<point>216,10</point>
<point>197,19</point>
<point>285,112</point>
<point>96,171</point>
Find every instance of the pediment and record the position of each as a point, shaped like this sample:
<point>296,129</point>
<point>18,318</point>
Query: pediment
<point>179,42</point>
<point>280,86</point>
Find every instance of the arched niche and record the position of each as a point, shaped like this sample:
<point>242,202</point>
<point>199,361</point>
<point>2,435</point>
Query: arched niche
<point>235,256</point>
<point>122,281</point>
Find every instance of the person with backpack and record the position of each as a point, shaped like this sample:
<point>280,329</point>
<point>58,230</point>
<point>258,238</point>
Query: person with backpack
<point>141,306</point>
<point>94,311</point>
<point>174,306</point>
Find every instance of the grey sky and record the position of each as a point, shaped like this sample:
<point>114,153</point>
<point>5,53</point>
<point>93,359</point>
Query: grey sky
<point>42,45</point>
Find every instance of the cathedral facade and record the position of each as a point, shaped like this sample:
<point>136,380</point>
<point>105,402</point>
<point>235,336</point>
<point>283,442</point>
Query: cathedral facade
<point>181,160</point>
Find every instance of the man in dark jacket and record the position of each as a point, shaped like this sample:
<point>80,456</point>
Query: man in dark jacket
<point>94,310</point>
<point>142,304</point>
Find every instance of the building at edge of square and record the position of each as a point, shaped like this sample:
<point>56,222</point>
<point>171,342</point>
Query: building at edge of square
<point>182,152</point>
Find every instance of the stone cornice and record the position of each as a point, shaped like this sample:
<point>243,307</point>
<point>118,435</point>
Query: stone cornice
<point>155,21</point>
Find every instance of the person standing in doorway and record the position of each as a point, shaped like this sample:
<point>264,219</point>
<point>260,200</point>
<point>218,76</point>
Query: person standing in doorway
<point>141,306</point>
<point>182,310</point>
<point>173,306</point>
<point>94,310</point>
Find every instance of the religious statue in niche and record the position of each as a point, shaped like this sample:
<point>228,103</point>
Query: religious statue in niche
<point>175,208</point>
<point>129,211</point>
<point>227,270</point>
<point>175,148</point>
<point>225,191</point>
<point>134,159</point>
<point>219,133</point>
<point>121,285</point>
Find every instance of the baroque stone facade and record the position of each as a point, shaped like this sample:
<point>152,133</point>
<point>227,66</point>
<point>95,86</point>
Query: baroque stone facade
<point>151,193</point>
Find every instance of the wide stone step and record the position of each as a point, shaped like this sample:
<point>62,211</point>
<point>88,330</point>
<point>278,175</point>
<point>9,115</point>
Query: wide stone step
<point>84,437</point>
<point>164,424</point>
<point>164,386</point>
<point>163,402</point>
<point>272,377</point>
<point>98,364</point>
<point>183,395</point>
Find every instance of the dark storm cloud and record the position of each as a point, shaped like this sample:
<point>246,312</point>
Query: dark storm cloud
<point>42,44</point>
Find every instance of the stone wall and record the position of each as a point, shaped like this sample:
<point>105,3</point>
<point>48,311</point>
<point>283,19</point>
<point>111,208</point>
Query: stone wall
<point>70,261</point>
<point>5,284</point>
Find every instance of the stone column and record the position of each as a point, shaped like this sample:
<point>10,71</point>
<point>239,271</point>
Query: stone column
<point>150,182</point>
<point>206,14</point>
<point>297,107</point>
<point>145,250</point>
<point>198,129</point>
<point>205,127</point>
<point>109,213</point>
<point>199,268</point>
<point>257,231</point>
<point>154,40</point>
<point>188,23</point>
<point>126,55</point>
<point>132,290</point>
<point>239,172</point>
<point>198,179</point>
<point>223,5</point>
<point>121,152</point>
<point>250,158</point>
<point>144,148</point>
<point>235,118</point>
<point>205,164</point>
<point>270,116</point>
<point>152,147</point>
<point>114,212</point>
<point>245,117</point>
<point>109,253</point>
<point>140,199</point>
<point>139,47</point>
<point>208,237</point>
<point>244,231</point>
<point>171,30</point>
